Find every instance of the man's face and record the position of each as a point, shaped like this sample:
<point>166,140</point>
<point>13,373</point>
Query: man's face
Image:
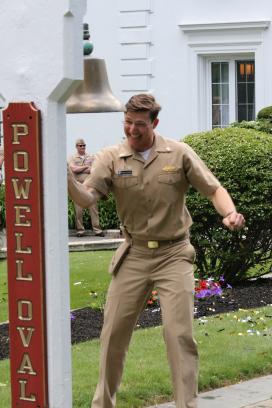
<point>81,148</point>
<point>138,129</point>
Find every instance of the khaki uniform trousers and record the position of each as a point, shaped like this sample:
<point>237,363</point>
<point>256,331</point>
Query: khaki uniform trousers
<point>170,269</point>
<point>93,211</point>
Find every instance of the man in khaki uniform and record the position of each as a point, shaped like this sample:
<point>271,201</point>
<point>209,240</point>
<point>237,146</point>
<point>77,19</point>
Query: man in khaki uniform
<point>80,164</point>
<point>149,176</point>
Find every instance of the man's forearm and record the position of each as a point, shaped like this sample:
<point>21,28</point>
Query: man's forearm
<point>80,194</point>
<point>222,202</point>
<point>79,169</point>
<point>224,206</point>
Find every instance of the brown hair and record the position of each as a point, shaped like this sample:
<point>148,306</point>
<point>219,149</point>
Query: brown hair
<point>144,103</point>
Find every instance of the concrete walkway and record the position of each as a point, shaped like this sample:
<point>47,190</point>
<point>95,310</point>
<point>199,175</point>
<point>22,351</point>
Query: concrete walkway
<point>89,241</point>
<point>256,393</point>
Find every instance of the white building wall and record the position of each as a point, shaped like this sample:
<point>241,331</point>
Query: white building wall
<point>35,34</point>
<point>146,49</point>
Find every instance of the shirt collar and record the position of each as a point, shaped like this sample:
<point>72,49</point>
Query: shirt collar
<point>160,145</point>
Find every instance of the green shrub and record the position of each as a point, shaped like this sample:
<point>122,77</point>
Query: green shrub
<point>107,213</point>
<point>108,218</point>
<point>265,113</point>
<point>71,214</point>
<point>241,159</point>
<point>262,125</point>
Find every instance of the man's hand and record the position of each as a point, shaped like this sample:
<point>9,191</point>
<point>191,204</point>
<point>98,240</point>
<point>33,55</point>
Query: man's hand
<point>234,221</point>
<point>224,206</point>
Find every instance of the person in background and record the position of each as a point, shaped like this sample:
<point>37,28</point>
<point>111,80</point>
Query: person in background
<point>80,164</point>
<point>149,176</point>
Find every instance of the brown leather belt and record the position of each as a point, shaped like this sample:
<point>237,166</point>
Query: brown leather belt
<point>158,244</point>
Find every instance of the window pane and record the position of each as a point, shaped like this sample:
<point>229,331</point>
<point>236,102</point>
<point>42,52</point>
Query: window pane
<point>250,93</point>
<point>241,88</point>
<point>216,117</point>
<point>242,113</point>
<point>220,94</point>
<point>241,72</point>
<point>225,72</point>
<point>216,93</point>
<point>250,72</point>
<point>225,115</point>
<point>225,93</point>
<point>251,112</point>
<point>215,72</point>
<point>245,90</point>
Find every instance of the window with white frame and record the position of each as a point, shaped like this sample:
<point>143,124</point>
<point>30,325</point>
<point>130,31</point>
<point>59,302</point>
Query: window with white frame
<point>240,45</point>
<point>220,94</point>
<point>245,84</point>
<point>231,90</point>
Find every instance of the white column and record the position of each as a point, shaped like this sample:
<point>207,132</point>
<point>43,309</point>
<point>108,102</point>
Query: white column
<point>41,56</point>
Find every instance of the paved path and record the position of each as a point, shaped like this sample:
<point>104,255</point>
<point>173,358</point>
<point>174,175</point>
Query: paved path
<point>89,241</point>
<point>256,393</point>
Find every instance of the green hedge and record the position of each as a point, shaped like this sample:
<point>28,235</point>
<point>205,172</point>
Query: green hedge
<point>107,215</point>
<point>263,123</point>
<point>265,113</point>
<point>241,159</point>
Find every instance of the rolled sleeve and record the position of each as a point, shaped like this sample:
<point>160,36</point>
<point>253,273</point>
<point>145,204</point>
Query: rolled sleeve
<point>198,174</point>
<point>101,176</point>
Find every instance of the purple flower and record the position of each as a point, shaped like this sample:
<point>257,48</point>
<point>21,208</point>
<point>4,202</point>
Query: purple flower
<point>202,294</point>
<point>208,288</point>
<point>72,316</point>
<point>217,291</point>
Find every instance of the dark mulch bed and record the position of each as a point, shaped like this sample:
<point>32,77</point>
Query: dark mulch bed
<point>86,323</point>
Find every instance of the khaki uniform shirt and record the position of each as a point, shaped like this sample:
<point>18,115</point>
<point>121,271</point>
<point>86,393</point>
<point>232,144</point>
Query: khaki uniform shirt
<point>150,195</point>
<point>76,160</point>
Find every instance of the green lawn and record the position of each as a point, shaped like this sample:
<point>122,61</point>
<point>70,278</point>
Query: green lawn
<point>89,279</point>
<point>3,292</point>
<point>233,347</point>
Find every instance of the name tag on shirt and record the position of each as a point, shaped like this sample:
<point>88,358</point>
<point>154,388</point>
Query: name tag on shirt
<point>124,173</point>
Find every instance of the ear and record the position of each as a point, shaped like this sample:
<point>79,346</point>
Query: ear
<point>155,123</point>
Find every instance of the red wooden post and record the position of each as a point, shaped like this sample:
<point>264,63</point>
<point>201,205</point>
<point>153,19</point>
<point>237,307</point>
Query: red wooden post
<point>25,252</point>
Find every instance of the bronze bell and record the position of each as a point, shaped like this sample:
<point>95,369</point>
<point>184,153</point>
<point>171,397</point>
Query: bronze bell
<point>94,93</point>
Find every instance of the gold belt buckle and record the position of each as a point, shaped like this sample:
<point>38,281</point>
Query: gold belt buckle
<point>153,244</point>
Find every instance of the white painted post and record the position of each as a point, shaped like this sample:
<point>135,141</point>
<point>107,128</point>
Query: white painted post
<point>41,56</point>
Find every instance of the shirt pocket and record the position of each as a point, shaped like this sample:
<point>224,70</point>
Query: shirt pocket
<point>125,181</point>
<point>172,177</point>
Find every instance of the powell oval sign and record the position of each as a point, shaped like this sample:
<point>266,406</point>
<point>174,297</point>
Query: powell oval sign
<point>25,254</point>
